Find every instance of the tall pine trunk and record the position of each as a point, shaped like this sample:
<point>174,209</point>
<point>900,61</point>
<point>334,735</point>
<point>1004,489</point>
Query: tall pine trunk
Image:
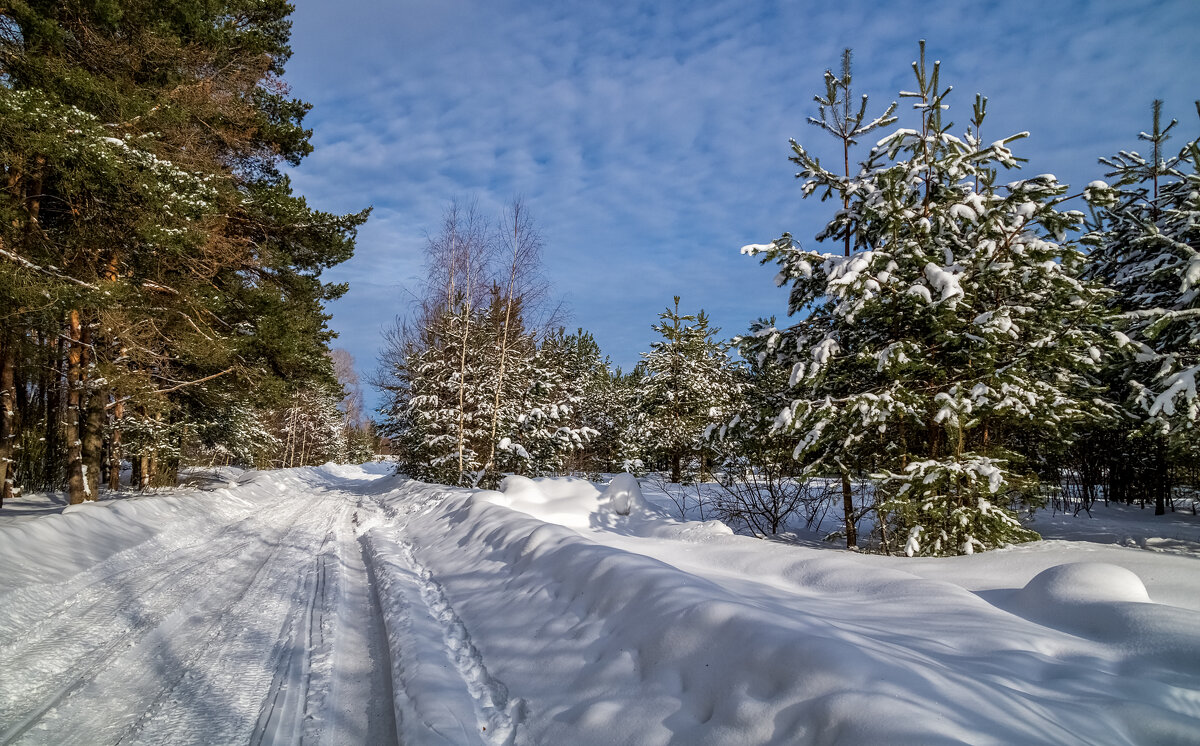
<point>54,396</point>
<point>8,395</point>
<point>91,420</point>
<point>76,485</point>
<point>1162,476</point>
<point>93,442</point>
<point>151,475</point>
<point>144,471</point>
<point>114,448</point>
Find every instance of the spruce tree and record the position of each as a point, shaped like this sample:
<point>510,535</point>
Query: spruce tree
<point>554,422</point>
<point>955,333</point>
<point>441,412</point>
<point>1145,242</point>
<point>688,384</point>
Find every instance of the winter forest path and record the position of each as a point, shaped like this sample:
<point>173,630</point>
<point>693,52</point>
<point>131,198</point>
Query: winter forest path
<point>345,605</point>
<point>267,629</point>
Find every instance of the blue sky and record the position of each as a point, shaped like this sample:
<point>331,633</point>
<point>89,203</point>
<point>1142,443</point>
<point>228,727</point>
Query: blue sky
<point>650,140</point>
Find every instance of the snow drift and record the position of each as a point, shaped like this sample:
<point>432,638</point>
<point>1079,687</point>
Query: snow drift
<point>337,603</point>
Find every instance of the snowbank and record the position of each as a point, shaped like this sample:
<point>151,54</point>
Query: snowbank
<point>638,629</point>
<point>560,611</point>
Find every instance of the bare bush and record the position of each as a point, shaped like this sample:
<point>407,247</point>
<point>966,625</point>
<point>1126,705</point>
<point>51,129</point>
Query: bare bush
<point>688,498</point>
<point>763,497</point>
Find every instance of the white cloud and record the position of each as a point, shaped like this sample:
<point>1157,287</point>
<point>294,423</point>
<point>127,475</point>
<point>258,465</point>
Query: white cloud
<point>651,141</point>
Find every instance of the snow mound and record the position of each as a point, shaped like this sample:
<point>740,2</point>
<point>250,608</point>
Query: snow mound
<point>623,494</point>
<point>1082,583</point>
<point>569,501</point>
<point>1109,603</point>
<point>493,497</point>
<point>520,489</point>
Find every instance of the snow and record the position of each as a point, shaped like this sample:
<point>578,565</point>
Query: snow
<point>623,494</point>
<point>1083,582</point>
<point>1191,274</point>
<point>945,281</point>
<point>345,604</point>
<point>1182,383</point>
<point>921,292</point>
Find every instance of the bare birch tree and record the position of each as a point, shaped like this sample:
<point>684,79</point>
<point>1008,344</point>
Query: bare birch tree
<point>520,245</point>
<point>459,262</point>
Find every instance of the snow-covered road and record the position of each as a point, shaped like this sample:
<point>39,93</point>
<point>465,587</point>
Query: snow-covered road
<point>342,605</point>
<point>256,622</point>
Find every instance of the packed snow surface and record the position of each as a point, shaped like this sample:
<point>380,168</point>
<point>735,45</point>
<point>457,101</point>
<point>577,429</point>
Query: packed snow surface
<point>346,605</point>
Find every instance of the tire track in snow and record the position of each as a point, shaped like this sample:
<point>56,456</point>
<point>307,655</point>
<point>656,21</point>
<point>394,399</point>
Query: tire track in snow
<point>33,615</point>
<point>286,706</point>
<point>377,642</point>
<point>226,658</point>
<point>73,651</point>
<point>436,702</point>
<point>179,642</point>
<point>335,684</point>
<point>351,697</point>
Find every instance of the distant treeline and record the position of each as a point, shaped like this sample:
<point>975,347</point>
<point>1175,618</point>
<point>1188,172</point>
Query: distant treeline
<point>971,346</point>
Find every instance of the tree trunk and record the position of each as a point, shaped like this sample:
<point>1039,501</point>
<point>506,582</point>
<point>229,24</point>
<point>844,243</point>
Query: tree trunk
<point>91,420</point>
<point>76,484</point>
<point>52,466</point>
<point>93,442</point>
<point>1162,485</point>
<point>676,467</point>
<point>151,474</point>
<point>883,536</point>
<point>848,510</point>
<point>514,267</point>
<point>462,392</point>
<point>114,448</point>
<point>144,471</point>
<point>8,395</point>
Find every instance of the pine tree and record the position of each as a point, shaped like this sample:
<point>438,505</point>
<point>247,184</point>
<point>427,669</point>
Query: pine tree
<point>955,333</point>
<point>144,214</point>
<point>688,384</point>
<point>1145,243</point>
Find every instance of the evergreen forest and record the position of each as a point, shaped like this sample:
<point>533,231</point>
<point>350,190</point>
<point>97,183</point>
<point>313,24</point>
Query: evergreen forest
<point>963,342</point>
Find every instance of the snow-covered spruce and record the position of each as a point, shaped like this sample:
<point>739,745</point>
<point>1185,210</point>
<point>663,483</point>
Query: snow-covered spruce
<point>956,334</point>
<point>446,395</point>
<point>1145,242</point>
<point>689,383</point>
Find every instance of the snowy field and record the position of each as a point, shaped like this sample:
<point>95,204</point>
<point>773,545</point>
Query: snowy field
<point>343,605</point>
